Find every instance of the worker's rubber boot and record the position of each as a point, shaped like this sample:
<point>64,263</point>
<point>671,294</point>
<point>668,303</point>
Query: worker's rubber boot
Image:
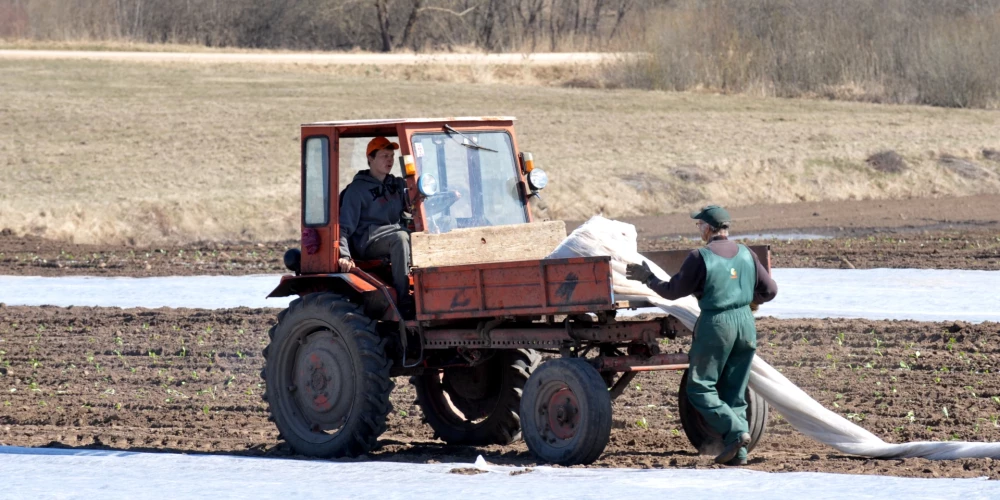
<point>733,449</point>
<point>740,458</point>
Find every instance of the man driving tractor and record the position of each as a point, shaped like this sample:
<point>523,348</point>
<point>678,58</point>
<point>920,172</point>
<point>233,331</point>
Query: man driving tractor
<point>726,278</point>
<point>371,219</point>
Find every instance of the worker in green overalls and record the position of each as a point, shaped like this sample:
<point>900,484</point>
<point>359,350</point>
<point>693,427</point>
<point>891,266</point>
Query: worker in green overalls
<point>726,278</point>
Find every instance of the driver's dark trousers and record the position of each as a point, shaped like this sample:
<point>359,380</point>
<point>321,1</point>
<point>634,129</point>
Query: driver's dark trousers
<point>396,245</point>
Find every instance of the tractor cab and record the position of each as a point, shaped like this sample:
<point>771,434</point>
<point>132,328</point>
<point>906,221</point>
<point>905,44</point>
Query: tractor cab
<point>459,173</point>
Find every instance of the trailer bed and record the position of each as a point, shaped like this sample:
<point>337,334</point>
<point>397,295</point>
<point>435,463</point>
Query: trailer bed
<point>522,288</point>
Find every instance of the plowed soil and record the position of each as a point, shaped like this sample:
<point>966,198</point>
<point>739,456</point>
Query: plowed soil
<point>943,233</point>
<point>187,380</point>
<point>938,249</point>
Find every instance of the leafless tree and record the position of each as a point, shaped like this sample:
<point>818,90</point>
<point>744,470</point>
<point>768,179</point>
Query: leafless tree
<point>496,25</point>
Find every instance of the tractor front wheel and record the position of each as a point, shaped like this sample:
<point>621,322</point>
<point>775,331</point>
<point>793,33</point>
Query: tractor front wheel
<point>327,377</point>
<point>702,436</point>
<point>566,412</point>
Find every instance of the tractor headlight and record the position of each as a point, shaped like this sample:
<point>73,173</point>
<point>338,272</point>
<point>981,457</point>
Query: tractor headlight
<point>538,179</point>
<point>427,185</point>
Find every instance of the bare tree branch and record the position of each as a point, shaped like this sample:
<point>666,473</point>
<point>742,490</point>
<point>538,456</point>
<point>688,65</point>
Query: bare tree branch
<point>383,23</point>
<point>411,22</point>
<point>449,11</point>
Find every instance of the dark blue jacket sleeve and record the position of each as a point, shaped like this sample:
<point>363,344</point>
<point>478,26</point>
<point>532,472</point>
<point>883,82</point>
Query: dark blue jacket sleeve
<point>766,289</point>
<point>690,279</point>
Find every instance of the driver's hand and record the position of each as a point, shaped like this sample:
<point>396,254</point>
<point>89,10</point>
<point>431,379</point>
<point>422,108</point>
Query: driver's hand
<point>640,273</point>
<point>345,265</point>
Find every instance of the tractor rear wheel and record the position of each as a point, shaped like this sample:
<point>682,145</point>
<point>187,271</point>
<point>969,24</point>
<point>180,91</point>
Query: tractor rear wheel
<point>702,436</point>
<point>327,377</point>
<point>566,412</point>
<point>477,405</point>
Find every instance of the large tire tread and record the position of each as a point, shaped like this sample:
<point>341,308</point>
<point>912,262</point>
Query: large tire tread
<point>757,416</point>
<point>367,420</point>
<point>594,432</point>
<point>502,426</point>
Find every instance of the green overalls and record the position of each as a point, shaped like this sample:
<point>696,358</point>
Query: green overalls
<point>725,340</point>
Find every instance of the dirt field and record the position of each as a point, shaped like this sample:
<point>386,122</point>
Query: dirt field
<point>30,256</point>
<point>947,233</point>
<point>187,380</point>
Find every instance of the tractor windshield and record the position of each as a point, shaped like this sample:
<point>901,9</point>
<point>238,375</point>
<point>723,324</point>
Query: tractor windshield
<point>477,179</point>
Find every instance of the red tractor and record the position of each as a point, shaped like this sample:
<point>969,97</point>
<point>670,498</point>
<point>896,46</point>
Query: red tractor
<point>488,304</point>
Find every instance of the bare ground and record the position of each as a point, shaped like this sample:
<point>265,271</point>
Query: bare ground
<point>946,233</point>
<point>187,380</point>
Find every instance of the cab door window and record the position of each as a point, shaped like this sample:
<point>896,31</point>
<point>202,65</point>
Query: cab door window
<point>316,199</point>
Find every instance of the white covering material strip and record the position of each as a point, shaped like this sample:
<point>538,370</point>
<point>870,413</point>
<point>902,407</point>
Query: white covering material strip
<point>600,236</point>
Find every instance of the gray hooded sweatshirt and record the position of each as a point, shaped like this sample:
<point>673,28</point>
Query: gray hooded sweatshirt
<point>369,209</point>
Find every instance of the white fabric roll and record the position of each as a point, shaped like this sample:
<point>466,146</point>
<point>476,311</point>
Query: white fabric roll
<point>601,236</point>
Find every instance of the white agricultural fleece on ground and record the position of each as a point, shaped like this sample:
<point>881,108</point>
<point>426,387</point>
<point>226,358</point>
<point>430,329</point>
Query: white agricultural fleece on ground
<point>600,236</point>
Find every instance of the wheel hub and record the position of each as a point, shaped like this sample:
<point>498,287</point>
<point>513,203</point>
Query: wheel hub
<point>563,412</point>
<point>319,380</point>
<point>324,384</point>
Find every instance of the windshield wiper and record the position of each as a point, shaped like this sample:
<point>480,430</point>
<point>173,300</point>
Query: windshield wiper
<point>468,141</point>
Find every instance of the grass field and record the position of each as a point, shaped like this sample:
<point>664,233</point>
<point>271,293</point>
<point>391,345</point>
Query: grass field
<point>144,153</point>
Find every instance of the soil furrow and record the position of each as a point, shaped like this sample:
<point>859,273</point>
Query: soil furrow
<point>190,383</point>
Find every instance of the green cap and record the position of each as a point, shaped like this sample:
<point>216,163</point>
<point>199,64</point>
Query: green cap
<point>713,215</point>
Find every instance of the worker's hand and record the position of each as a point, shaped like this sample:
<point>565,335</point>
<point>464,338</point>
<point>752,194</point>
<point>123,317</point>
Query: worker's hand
<point>640,273</point>
<point>754,306</point>
<point>345,265</point>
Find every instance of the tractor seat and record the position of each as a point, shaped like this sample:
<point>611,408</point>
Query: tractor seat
<point>381,269</point>
<point>374,265</point>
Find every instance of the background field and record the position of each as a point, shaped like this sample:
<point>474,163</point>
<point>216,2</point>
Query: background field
<point>142,153</point>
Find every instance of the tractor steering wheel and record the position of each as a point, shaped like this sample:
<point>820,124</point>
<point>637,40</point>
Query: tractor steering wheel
<point>439,202</point>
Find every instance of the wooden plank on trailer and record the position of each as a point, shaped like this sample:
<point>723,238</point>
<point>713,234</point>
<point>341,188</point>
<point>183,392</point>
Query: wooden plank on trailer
<point>476,245</point>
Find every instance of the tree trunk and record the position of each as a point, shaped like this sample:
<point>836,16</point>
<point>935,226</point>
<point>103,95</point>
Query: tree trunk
<point>410,23</point>
<point>535,21</point>
<point>552,26</point>
<point>598,7</point>
<point>576,17</point>
<point>383,24</point>
<point>623,8</point>
<point>489,25</point>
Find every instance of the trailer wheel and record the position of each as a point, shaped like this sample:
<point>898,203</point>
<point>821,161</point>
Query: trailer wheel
<point>478,405</point>
<point>327,377</point>
<point>702,436</point>
<point>566,412</point>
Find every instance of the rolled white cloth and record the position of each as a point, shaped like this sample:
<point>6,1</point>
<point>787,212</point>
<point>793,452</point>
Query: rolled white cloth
<point>618,240</point>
